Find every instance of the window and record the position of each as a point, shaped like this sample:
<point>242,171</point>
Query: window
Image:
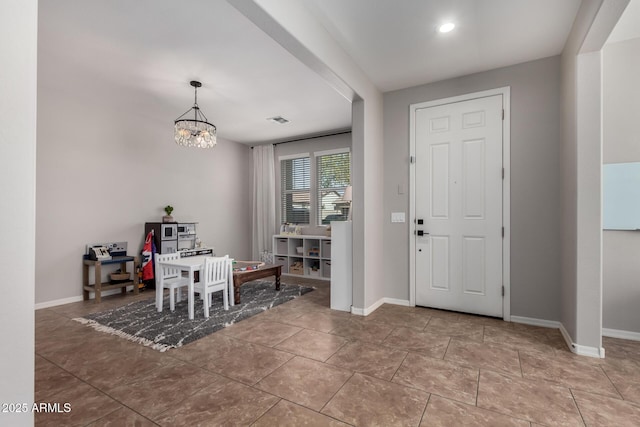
<point>312,186</point>
<point>295,185</point>
<point>333,176</point>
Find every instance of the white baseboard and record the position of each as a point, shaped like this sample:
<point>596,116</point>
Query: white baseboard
<point>581,350</point>
<point>373,307</point>
<point>367,310</point>
<point>357,311</point>
<point>536,322</point>
<point>395,301</point>
<point>57,302</point>
<point>618,333</point>
<point>63,301</point>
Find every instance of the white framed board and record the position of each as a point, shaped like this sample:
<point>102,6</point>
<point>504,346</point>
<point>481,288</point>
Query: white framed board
<point>621,196</point>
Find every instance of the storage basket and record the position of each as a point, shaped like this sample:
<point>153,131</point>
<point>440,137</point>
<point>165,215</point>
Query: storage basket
<point>296,268</point>
<point>118,277</point>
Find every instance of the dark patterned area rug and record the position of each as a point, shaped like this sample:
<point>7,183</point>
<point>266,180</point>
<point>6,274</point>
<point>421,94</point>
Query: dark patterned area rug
<point>140,321</point>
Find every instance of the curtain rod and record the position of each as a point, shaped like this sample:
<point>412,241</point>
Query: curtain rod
<point>310,137</point>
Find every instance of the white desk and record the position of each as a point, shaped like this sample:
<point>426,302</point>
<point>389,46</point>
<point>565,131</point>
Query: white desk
<point>190,265</point>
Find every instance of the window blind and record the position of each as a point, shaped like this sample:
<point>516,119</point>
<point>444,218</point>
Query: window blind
<point>295,175</point>
<point>333,176</point>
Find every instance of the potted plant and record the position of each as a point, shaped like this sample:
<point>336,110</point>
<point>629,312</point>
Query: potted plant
<point>168,218</point>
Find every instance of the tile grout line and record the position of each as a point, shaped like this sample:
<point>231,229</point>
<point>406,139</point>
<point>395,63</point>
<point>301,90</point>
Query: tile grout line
<point>104,392</point>
<point>575,402</point>
<point>424,411</point>
<point>265,412</point>
<point>520,363</point>
<point>478,387</point>
<point>399,366</point>
<point>612,383</point>
<point>353,373</point>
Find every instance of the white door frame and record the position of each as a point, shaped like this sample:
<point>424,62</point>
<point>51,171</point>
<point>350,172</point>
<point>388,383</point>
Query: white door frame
<point>506,189</point>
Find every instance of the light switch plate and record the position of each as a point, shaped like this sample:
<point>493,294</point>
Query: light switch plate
<point>397,216</point>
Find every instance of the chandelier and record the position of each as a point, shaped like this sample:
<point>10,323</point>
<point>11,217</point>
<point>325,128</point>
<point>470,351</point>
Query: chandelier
<point>195,131</point>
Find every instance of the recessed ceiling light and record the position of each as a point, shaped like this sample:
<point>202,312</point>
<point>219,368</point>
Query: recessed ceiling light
<point>445,28</point>
<point>278,119</point>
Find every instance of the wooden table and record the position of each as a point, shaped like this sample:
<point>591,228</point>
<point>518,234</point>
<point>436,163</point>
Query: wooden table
<point>98,287</point>
<point>240,277</point>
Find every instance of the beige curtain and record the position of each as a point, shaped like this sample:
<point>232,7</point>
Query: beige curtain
<point>264,201</point>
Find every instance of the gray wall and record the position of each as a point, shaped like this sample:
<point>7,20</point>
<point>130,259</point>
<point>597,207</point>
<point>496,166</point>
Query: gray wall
<point>107,163</point>
<point>535,174</point>
<point>621,114</point>
<point>569,188</point>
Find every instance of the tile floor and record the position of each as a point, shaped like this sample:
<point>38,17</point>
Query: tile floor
<point>304,364</point>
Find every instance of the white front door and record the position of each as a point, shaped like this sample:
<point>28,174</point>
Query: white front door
<point>458,198</point>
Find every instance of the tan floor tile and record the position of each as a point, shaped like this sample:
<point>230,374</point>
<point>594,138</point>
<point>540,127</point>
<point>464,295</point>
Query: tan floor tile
<point>225,402</point>
<point>557,341</point>
<point>373,332</point>
<point>311,304</point>
<point>368,401</point>
<point>313,344</point>
<point>407,318</point>
<point>617,348</point>
<point>443,412</point>
<point>265,333</point>
<point>372,360</point>
<point>625,378</point>
<point>47,316</point>
<point>69,353</point>
<point>319,321</point>
<point>439,377</point>
<point>455,328</point>
<point>575,375</point>
<point>87,405</point>
<point>440,314</point>
<point>539,330</point>
<point>305,382</point>
<point>164,387</point>
<point>518,339</point>
<point>600,410</point>
<point>63,336</point>
<point>51,380</point>
<point>106,368</point>
<point>484,320</point>
<point>408,339</point>
<point>281,316</point>
<point>236,359</point>
<point>539,402</point>
<point>123,417</point>
<point>485,356</point>
<point>287,414</point>
<point>82,308</point>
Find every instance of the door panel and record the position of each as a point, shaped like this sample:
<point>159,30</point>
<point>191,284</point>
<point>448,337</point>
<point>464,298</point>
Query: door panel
<point>459,195</point>
<point>440,263</point>
<point>439,181</point>
<point>473,179</point>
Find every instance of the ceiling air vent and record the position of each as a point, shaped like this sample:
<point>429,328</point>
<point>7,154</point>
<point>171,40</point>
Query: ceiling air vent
<point>278,119</point>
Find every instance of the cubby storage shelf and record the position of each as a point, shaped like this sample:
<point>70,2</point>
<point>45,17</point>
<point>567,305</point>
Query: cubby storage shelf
<point>302,255</point>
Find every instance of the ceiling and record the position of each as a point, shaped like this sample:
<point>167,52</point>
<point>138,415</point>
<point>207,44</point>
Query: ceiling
<point>398,45</point>
<point>158,46</point>
<point>628,26</point>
